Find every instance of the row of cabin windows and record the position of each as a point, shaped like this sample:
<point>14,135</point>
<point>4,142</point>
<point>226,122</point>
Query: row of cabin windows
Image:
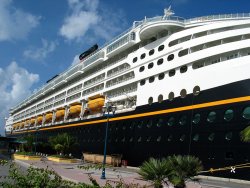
<point>204,33</point>
<point>183,94</point>
<point>161,76</point>
<point>151,52</point>
<point>228,136</point>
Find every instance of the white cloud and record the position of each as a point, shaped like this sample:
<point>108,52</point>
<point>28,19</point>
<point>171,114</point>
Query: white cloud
<point>15,85</point>
<point>40,53</point>
<point>86,16</point>
<point>75,60</point>
<point>15,23</point>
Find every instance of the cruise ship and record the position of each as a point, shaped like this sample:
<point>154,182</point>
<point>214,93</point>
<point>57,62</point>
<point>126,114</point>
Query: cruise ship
<point>171,86</point>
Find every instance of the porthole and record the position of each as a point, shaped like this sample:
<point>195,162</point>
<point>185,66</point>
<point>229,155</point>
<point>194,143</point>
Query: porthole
<point>182,138</point>
<point>139,139</point>
<point>149,124</point>
<point>143,56</point>
<point>123,139</point>
<point>148,139</point>
<point>161,47</point>
<point>211,137</point>
<point>150,100</point>
<point>161,76</point>
<point>142,82</point>
<point>151,52</point>
<point>131,139</point>
<point>171,73</point>
<point>142,69</point>
<point>151,79</point>
<point>196,90</point>
<point>246,113</point>
<point>170,138</point>
<point>150,65</point>
<point>171,121</point>
<point>160,98</point>
<point>196,119</point>
<point>171,96</point>
<point>196,137</point>
<point>160,61</point>
<point>124,127</point>
<point>160,122</point>
<point>183,120</point>
<point>228,115</point>
<point>170,57</point>
<point>183,93</point>
<point>135,59</point>
<point>158,139</point>
<point>229,136</point>
<point>183,69</point>
<point>211,117</point>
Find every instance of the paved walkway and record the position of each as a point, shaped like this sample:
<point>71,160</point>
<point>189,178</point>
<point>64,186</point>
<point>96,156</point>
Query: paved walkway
<point>73,173</point>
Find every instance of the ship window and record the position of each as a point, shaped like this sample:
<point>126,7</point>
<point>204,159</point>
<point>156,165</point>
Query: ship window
<point>131,139</point>
<point>160,98</point>
<point>148,138</point>
<point>170,138</point>
<point>183,120</point>
<point>183,93</point>
<point>161,76</point>
<point>211,137</point>
<point>150,65</point>
<point>171,73</point>
<point>139,139</point>
<point>171,121</point>
<point>151,79</point>
<point>142,69</point>
<point>143,56</point>
<point>150,100</point>
<point>161,47</point>
<point>211,117</point>
<point>160,122</point>
<point>170,57</point>
<point>183,69</point>
<point>246,113</point>
<point>171,96</point>
<point>149,124</point>
<point>158,139</point>
<point>140,124</point>
<point>196,118</point>
<point>196,90</point>
<point>182,138</point>
<point>135,59</point>
<point>123,139</point>
<point>183,52</point>
<point>196,137</point>
<point>160,61</point>
<point>228,115</point>
<point>142,82</point>
<point>151,52</point>
<point>229,136</point>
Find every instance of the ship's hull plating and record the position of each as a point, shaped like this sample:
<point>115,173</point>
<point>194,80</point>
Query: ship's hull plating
<point>148,132</point>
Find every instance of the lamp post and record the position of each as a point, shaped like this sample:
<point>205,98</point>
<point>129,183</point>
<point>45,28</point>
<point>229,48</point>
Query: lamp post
<point>108,111</point>
<point>36,138</point>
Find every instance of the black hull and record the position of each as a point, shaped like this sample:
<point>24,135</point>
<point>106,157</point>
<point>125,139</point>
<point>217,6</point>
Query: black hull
<point>145,132</point>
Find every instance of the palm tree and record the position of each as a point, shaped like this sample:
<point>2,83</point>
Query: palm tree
<point>62,142</point>
<point>155,170</point>
<point>182,169</point>
<point>245,134</point>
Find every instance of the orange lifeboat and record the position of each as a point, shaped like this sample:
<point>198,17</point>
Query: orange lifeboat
<point>48,117</point>
<point>60,113</point>
<point>75,109</point>
<point>96,104</point>
<point>32,121</point>
<point>39,119</point>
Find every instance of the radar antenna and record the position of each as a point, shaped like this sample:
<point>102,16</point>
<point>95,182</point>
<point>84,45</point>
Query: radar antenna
<point>168,12</point>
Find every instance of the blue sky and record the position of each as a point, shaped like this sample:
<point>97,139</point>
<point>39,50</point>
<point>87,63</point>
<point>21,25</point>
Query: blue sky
<point>39,39</point>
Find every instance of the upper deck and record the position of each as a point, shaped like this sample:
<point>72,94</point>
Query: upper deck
<point>126,39</point>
